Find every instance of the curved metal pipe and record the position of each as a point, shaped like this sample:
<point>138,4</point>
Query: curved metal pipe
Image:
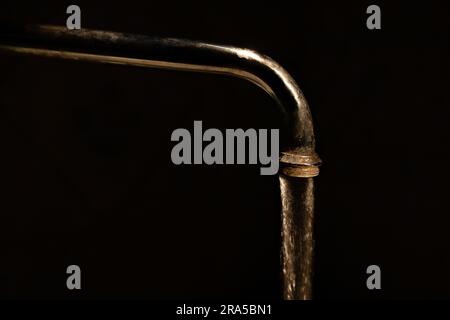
<point>299,162</point>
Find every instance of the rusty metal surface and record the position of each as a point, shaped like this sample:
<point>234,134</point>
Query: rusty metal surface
<point>297,203</point>
<point>298,159</point>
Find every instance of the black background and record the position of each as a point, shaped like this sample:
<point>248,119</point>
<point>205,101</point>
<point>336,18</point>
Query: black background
<point>87,177</point>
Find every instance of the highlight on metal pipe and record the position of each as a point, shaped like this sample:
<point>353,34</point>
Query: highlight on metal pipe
<point>299,162</point>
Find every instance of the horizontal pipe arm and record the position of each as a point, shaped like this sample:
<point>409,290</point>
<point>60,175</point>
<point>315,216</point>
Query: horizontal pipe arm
<point>167,53</point>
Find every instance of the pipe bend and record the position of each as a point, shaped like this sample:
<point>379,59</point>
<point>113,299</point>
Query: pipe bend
<point>298,143</point>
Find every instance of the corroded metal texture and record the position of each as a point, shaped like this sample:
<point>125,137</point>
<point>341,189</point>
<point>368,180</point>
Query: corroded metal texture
<point>299,162</point>
<point>297,202</point>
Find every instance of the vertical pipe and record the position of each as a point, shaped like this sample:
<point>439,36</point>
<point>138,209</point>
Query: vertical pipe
<point>297,203</point>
